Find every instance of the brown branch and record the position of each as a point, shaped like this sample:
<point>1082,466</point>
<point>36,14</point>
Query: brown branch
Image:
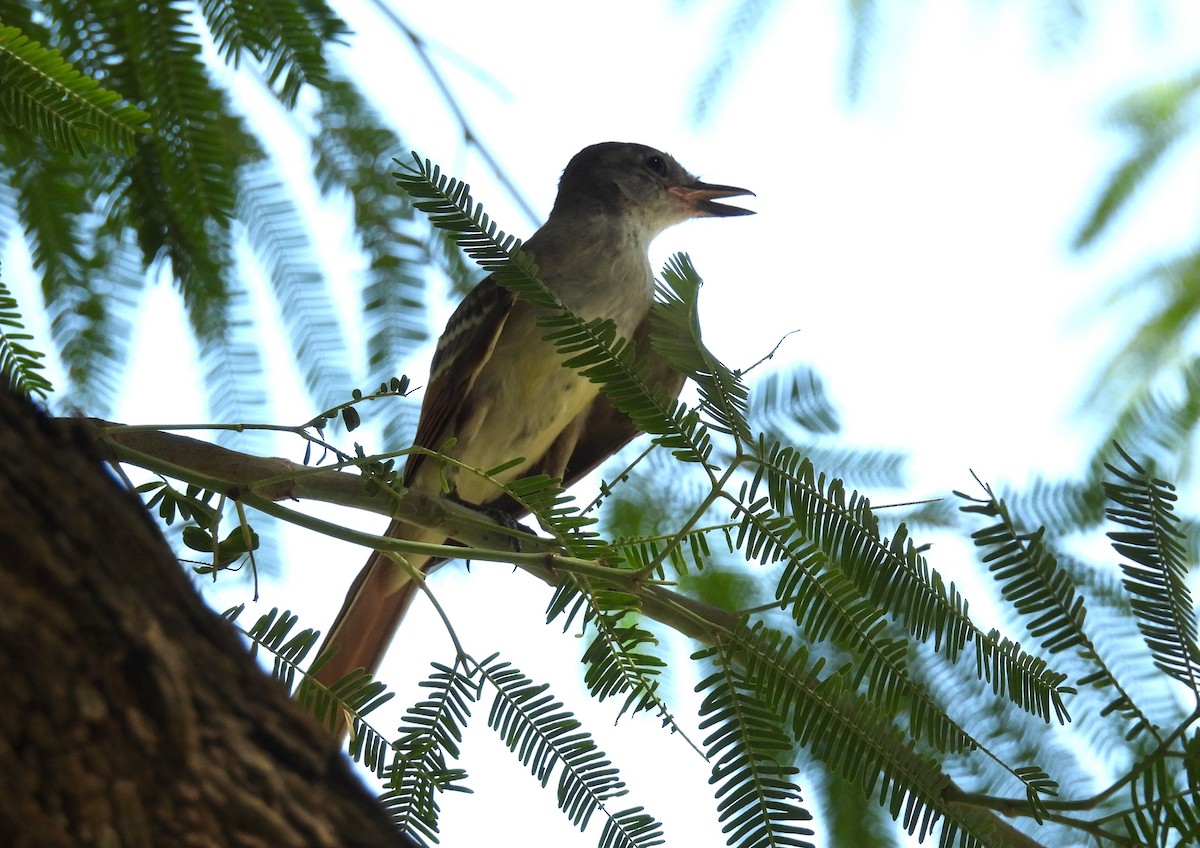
<point>261,481</point>
<point>244,477</point>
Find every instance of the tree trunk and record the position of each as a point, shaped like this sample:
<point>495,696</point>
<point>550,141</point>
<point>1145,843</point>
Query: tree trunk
<point>130,714</point>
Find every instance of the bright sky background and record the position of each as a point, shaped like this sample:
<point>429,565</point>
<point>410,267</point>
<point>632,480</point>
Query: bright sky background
<point>909,238</point>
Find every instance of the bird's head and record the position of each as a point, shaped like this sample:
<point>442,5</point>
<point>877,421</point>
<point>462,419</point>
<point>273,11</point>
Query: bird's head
<point>639,182</point>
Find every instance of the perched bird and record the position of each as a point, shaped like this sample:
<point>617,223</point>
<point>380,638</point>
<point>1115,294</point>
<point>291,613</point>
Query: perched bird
<point>502,392</point>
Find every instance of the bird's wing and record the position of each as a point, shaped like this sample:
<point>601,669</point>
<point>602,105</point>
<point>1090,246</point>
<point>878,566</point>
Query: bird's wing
<point>463,349</point>
<point>604,428</point>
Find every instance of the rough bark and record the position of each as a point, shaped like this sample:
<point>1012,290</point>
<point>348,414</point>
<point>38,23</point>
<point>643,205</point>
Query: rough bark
<point>130,714</point>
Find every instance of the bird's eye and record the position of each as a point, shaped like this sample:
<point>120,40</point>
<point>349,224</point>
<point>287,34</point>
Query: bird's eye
<point>657,164</point>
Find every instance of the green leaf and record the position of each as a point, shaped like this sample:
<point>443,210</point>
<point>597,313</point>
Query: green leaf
<point>430,733</point>
<point>723,395</point>
<point>1155,567</point>
<point>47,96</point>
<point>1044,597</point>
<point>544,736</point>
<point>20,365</point>
<point>889,572</point>
<point>760,803</point>
<point>618,660</point>
<point>306,304</point>
<point>1156,117</point>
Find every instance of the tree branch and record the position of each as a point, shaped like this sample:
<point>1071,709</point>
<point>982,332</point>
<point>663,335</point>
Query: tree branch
<point>262,482</point>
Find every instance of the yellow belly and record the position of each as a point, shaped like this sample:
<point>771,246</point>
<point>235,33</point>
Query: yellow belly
<point>536,402</point>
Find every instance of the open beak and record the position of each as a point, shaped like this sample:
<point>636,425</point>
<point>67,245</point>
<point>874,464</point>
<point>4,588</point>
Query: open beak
<point>700,199</point>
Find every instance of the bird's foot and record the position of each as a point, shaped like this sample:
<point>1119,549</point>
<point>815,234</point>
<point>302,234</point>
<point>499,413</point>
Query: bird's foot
<point>500,517</point>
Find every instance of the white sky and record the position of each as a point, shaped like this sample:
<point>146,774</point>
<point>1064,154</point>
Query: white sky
<point>909,238</point>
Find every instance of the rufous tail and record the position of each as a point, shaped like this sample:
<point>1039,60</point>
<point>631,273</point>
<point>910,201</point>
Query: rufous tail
<point>374,607</point>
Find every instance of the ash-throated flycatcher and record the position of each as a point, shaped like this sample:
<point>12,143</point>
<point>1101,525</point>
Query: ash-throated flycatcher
<point>503,392</point>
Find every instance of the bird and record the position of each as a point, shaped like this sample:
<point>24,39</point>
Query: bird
<point>501,392</point>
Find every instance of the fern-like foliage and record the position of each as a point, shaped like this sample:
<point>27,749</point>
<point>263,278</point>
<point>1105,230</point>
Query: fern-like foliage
<point>46,95</point>
<point>544,736</point>
<point>888,572</point>
<point>1138,717</point>
<point>431,732</point>
<point>1029,576</point>
<point>723,395</point>
<point>287,39</point>
<point>793,399</point>
<point>1044,597</point>
<point>544,498</point>
<point>89,273</point>
<point>352,149</point>
<point>619,659</point>
<point>793,407</point>
<point>354,696</point>
<point>826,605</point>
<point>20,365</point>
<point>278,236</point>
<point>273,632</point>
<point>760,803</point>
<point>1157,119</point>
<point>1061,506</point>
<point>110,197</point>
<point>1155,570</point>
<point>1150,380</point>
<point>742,22</point>
<point>232,363</point>
<point>843,581</point>
<point>1163,807</point>
<point>1162,415</point>
<point>830,720</point>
